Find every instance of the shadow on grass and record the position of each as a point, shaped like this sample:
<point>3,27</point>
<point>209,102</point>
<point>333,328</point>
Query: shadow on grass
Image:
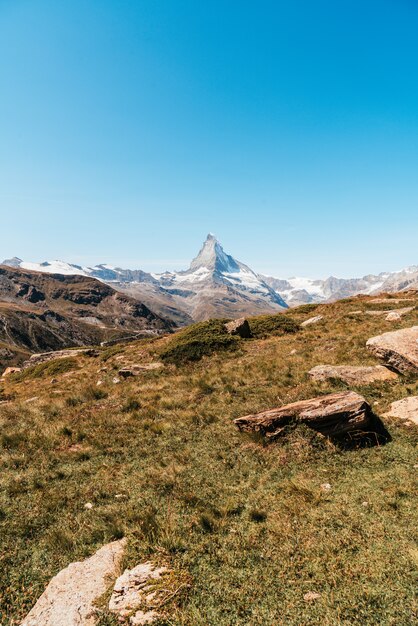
<point>377,435</point>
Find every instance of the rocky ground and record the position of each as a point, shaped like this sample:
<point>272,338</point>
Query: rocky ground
<point>134,449</point>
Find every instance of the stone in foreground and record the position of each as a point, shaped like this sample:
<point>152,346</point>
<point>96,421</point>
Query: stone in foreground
<point>70,596</point>
<point>239,327</point>
<point>354,375</point>
<point>399,349</point>
<point>133,594</point>
<point>333,415</point>
<point>405,409</point>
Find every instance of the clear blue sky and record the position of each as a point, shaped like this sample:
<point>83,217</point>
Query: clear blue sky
<point>129,129</point>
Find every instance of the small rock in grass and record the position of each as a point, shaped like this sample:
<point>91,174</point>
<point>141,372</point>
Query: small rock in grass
<point>326,486</point>
<point>311,596</point>
<point>312,320</point>
<point>88,506</point>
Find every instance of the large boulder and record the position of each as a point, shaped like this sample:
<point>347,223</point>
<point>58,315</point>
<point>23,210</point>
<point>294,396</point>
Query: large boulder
<point>405,409</point>
<point>353,375</point>
<point>332,415</point>
<point>239,327</point>
<point>69,598</point>
<point>399,349</point>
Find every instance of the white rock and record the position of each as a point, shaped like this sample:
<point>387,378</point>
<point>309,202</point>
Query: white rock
<point>69,598</point>
<point>88,506</point>
<point>312,320</point>
<point>406,409</point>
<point>133,589</point>
<point>311,595</point>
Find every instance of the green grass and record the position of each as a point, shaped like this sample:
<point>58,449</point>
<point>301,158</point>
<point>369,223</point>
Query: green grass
<point>50,368</point>
<point>246,525</point>
<point>273,325</point>
<point>194,342</point>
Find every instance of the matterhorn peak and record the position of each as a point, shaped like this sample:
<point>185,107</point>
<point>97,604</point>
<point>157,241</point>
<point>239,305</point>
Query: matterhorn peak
<point>213,258</point>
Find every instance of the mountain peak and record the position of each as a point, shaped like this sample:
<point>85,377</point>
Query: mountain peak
<point>212,257</point>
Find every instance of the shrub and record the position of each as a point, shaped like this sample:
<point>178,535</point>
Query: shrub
<point>49,368</point>
<point>267,325</point>
<point>201,339</point>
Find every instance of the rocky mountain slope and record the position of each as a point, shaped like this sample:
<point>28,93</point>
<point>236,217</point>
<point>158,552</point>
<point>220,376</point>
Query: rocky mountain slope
<point>40,312</point>
<point>216,284</point>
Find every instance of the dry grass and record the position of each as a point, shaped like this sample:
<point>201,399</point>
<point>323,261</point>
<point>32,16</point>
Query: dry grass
<point>247,525</point>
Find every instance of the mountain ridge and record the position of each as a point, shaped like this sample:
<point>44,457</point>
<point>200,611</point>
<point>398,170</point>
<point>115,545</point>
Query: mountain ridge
<point>218,285</point>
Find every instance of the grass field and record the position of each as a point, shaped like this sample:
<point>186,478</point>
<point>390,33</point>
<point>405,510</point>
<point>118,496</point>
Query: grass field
<point>246,528</point>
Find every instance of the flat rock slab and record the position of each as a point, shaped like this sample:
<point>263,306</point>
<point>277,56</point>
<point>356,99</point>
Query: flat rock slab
<point>405,409</point>
<point>69,598</point>
<point>399,349</point>
<point>391,315</point>
<point>353,375</point>
<point>312,320</point>
<point>134,592</point>
<point>333,415</point>
<point>136,370</point>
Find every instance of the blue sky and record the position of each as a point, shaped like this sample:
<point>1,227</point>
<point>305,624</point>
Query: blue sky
<point>130,129</point>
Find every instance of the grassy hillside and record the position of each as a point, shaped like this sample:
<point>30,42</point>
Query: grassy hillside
<point>246,527</point>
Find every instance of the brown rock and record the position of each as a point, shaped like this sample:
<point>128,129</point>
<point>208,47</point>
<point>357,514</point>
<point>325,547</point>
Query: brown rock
<point>405,409</point>
<point>239,327</point>
<point>354,375</point>
<point>399,349</point>
<point>69,598</point>
<point>332,415</point>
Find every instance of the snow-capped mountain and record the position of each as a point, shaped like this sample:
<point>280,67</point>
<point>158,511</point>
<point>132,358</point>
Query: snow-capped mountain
<point>297,291</point>
<point>217,285</point>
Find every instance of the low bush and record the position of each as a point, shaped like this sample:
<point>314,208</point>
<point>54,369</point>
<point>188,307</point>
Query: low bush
<point>201,339</point>
<point>268,325</point>
<point>49,368</point>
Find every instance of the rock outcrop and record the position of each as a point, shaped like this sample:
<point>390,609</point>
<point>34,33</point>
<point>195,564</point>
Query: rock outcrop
<point>70,596</point>
<point>239,327</point>
<point>405,409</point>
<point>332,415</point>
<point>399,349</point>
<point>353,375</point>
<point>134,596</point>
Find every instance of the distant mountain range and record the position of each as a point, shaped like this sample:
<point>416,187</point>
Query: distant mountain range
<point>217,285</point>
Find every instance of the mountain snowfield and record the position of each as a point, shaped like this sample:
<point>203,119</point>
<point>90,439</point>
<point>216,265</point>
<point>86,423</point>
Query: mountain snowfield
<point>217,285</point>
